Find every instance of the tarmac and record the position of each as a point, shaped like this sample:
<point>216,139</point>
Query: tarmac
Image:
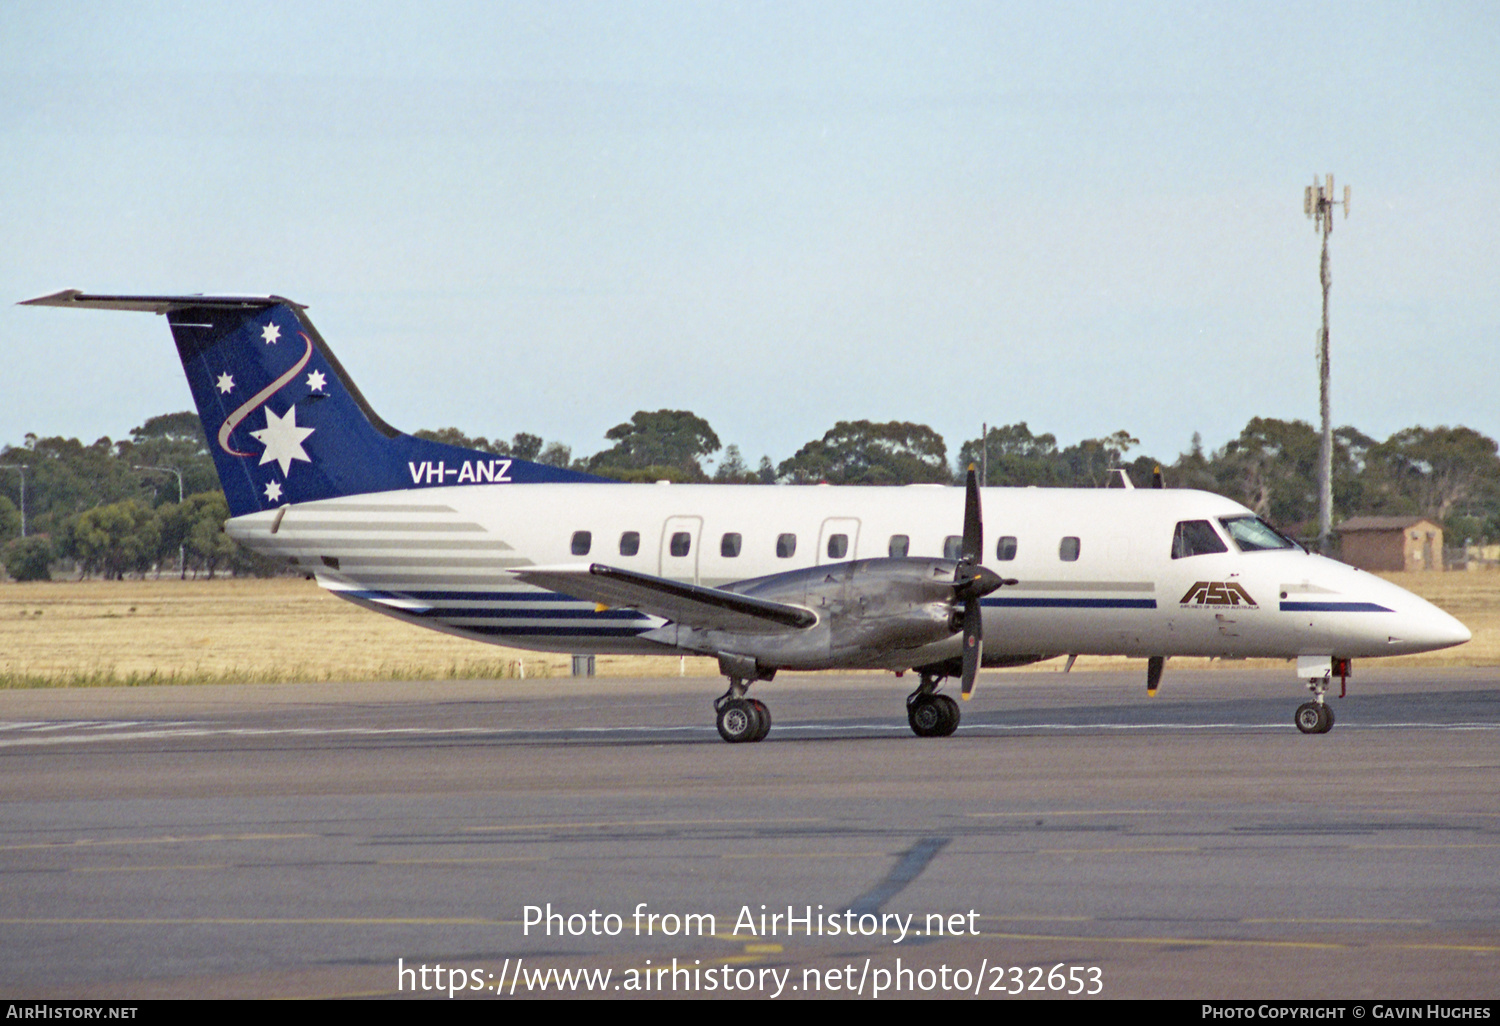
<point>1074,838</point>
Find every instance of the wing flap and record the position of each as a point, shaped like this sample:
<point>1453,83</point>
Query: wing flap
<point>691,605</point>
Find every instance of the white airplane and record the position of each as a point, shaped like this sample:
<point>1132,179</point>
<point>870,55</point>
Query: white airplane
<point>764,578</point>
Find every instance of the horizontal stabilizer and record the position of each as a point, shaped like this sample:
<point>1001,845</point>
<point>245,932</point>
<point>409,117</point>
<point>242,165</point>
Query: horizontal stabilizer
<point>156,304</point>
<point>691,605</point>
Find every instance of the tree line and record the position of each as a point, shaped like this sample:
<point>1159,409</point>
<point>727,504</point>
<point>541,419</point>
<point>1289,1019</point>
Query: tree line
<point>152,502</point>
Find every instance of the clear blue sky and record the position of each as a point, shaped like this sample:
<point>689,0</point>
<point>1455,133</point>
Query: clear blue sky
<point>543,217</point>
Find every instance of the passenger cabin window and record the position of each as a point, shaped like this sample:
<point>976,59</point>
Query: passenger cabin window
<point>953,546</point>
<point>729,545</point>
<point>1005,549</point>
<point>582,542</point>
<point>630,543</point>
<point>838,546</point>
<point>786,546</point>
<point>1068,550</point>
<point>1196,538</point>
<point>1252,534</point>
<point>681,543</point>
<point>899,547</point>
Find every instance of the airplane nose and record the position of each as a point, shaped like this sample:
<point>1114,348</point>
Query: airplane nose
<point>1436,629</point>
<point>1453,632</point>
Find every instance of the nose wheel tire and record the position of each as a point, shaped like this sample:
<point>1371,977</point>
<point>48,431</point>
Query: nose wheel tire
<point>1314,718</point>
<point>743,719</point>
<point>933,716</point>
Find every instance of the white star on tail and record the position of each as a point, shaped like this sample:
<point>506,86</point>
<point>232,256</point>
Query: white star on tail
<point>283,439</point>
<point>273,492</point>
<point>270,333</point>
<point>226,383</point>
<point>316,381</point>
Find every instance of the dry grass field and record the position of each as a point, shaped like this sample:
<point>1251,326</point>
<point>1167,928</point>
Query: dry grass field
<point>169,631</point>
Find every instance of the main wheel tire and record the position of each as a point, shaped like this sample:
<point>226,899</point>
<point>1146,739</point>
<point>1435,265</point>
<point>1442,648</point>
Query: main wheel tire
<point>1310,719</point>
<point>738,721</point>
<point>951,715</point>
<point>1327,719</point>
<point>926,716</point>
<point>763,714</point>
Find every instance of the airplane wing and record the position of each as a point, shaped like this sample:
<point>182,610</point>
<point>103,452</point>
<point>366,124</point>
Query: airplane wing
<point>691,605</point>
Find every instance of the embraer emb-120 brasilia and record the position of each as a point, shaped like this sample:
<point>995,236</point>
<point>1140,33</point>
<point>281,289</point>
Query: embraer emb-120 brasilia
<point>764,578</point>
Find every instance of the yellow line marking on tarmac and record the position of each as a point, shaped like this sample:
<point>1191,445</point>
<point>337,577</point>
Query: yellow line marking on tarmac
<point>637,823</point>
<point>814,855</point>
<point>275,865</point>
<point>125,921</point>
<point>1071,812</point>
<point>762,949</point>
<point>1417,847</point>
<point>1338,921</point>
<point>1225,942</point>
<point>755,953</point>
<point>146,869</point>
<point>460,862</point>
<point>85,842</point>
<point>1115,851</point>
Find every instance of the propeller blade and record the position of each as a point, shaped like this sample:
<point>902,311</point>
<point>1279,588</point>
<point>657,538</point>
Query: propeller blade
<point>973,543</point>
<point>1153,674</point>
<point>973,645</point>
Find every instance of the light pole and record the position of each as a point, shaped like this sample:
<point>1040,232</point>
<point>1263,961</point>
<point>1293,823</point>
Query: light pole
<point>181,549</point>
<point>1318,204</point>
<point>22,467</point>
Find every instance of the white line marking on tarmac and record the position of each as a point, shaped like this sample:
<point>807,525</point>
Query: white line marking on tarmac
<point>43,733</point>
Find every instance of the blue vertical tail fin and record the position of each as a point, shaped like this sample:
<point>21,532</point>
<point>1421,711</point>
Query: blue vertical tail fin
<point>284,421</point>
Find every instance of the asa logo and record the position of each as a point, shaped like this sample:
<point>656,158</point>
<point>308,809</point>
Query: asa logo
<point>1218,593</point>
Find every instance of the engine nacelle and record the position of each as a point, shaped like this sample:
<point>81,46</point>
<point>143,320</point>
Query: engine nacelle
<point>870,612</point>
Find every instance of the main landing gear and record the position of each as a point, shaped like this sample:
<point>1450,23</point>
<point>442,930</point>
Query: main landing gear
<point>741,719</point>
<point>929,713</point>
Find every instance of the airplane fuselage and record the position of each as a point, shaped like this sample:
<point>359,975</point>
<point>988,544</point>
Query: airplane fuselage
<point>1095,569</point>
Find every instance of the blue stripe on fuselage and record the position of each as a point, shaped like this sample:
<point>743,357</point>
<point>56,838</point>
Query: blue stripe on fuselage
<point>1070,603</point>
<point>1333,607</point>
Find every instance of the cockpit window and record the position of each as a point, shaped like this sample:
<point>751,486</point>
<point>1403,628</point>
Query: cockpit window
<point>1252,534</point>
<point>1196,538</point>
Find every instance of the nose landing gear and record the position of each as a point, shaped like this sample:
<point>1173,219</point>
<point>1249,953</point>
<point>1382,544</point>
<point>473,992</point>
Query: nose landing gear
<point>1316,717</point>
